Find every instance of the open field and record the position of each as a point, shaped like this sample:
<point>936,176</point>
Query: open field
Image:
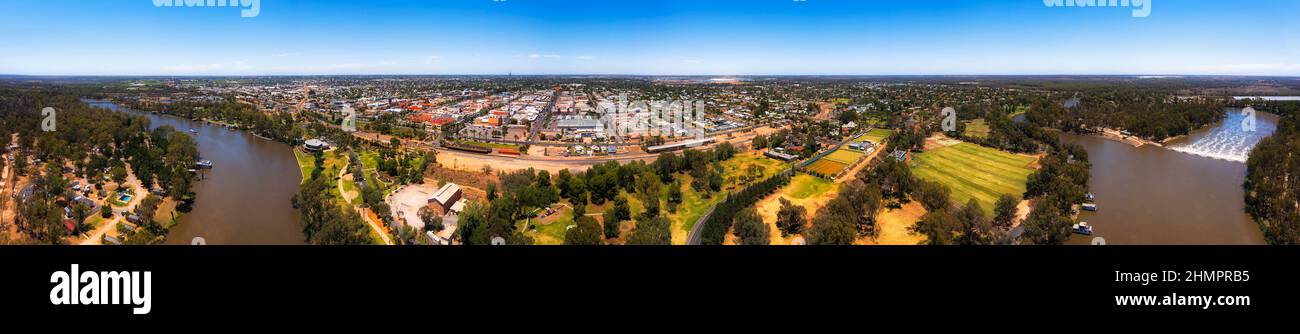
<point>876,135</point>
<point>827,167</point>
<point>977,129</point>
<point>804,190</point>
<point>844,155</point>
<point>975,172</point>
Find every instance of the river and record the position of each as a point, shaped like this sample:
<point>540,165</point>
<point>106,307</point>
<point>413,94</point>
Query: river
<point>1189,193</point>
<point>244,199</point>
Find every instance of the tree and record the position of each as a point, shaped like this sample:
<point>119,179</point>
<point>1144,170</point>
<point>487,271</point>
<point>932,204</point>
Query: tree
<point>586,232</point>
<point>491,191</point>
<point>1004,212</point>
<point>791,219</point>
<point>105,211</point>
<point>939,227</point>
<point>749,227</point>
<point>976,229</point>
<point>432,221</point>
<point>651,231</point>
<point>674,196</point>
<point>1045,226</point>
<point>934,196</point>
<point>148,208</point>
<point>831,230</point>
<point>118,174</point>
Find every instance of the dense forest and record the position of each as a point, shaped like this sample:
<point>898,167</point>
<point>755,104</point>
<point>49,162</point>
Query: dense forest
<point>1273,178</point>
<point>1150,116</point>
<point>277,126</point>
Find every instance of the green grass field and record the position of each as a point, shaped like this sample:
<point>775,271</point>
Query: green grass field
<point>844,155</point>
<point>876,135</point>
<point>805,186</point>
<point>975,172</point>
<point>977,128</point>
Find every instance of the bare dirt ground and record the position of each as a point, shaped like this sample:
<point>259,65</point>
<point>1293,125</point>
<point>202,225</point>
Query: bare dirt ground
<point>894,224</point>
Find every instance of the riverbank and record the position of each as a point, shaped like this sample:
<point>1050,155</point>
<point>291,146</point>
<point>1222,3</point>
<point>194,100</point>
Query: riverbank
<point>245,199</point>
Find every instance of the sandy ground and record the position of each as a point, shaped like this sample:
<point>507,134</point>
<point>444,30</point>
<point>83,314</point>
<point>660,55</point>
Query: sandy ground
<point>770,206</point>
<point>893,225</point>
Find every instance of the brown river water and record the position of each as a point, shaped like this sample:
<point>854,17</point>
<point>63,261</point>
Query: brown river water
<point>1187,194</point>
<point>245,198</point>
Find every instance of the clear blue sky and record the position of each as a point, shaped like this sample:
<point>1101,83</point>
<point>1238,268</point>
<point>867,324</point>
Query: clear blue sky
<point>659,37</point>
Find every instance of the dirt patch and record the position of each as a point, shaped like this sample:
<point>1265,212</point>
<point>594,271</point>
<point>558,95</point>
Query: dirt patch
<point>770,206</point>
<point>894,224</point>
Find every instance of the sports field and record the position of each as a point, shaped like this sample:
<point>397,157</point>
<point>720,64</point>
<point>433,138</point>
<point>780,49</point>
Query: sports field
<point>844,155</point>
<point>973,171</point>
<point>876,135</point>
<point>826,167</point>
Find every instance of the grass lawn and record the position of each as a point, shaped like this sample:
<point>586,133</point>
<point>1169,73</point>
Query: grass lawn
<point>845,155</point>
<point>975,172</point>
<point>977,128</point>
<point>876,135</point>
<point>805,186</point>
<point>306,164</point>
<point>553,233</point>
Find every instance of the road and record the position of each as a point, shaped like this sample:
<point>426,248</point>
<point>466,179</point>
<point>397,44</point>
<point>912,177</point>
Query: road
<point>541,119</point>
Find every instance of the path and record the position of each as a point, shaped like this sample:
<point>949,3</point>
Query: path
<point>137,196</point>
<point>374,226</point>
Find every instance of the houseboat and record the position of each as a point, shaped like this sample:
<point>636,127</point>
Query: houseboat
<point>1090,207</point>
<point>1082,228</point>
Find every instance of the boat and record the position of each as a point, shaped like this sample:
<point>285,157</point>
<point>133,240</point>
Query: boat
<point>1090,207</point>
<point>206,164</point>
<point>192,130</point>
<point>1082,228</point>
<point>1091,197</point>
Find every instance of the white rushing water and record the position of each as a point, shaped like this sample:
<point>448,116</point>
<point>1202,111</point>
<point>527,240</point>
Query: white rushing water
<point>1230,140</point>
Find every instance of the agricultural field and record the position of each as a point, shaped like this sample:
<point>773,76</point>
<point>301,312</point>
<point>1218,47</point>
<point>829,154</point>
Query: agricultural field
<point>977,128</point>
<point>975,172</point>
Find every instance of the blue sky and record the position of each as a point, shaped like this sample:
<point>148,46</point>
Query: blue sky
<point>660,37</point>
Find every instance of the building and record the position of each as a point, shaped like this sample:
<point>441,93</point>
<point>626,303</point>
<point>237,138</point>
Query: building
<point>679,145</point>
<point>448,199</point>
<point>780,156</point>
<point>315,145</point>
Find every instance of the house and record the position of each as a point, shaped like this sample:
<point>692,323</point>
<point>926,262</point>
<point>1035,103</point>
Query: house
<point>447,197</point>
<point>780,156</point>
